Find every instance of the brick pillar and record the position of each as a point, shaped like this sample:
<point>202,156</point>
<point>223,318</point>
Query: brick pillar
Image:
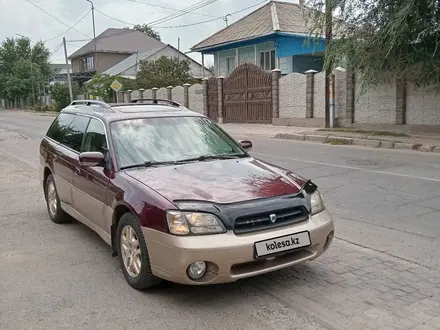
<point>220,99</point>
<point>170,93</point>
<point>205,96</point>
<point>154,93</point>
<point>350,97</point>
<point>186,95</point>
<point>129,95</point>
<point>141,93</point>
<point>400,102</point>
<point>310,91</point>
<point>276,74</point>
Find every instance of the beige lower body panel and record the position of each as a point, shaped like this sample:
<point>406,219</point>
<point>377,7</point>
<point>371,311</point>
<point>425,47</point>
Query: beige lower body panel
<point>231,257</point>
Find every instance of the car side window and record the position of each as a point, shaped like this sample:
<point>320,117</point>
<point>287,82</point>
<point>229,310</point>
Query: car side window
<point>60,127</point>
<point>94,139</point>
<point>74,136</point>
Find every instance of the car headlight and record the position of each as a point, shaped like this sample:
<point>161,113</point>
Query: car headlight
<point>317,202</point>
<point>195,223</point>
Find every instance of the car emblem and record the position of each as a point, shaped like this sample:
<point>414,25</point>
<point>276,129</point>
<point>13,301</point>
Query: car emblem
<point>273,218</point>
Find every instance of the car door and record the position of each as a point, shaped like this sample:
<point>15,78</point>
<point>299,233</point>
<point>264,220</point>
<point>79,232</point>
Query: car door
<point>90,183</point>
<point>70,146</point>
<point>61,159</point>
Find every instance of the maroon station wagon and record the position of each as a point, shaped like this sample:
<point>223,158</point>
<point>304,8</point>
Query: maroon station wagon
<point>175,196</point>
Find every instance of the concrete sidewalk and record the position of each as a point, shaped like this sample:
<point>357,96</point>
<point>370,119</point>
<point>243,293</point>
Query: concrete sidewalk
<point>425,142</point>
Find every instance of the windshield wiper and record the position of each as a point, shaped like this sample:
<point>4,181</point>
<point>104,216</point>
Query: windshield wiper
<point>148,164</point>
<point>182,161</point>
<point>206,157</point>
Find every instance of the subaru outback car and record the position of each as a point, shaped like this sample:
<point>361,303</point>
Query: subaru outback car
<point>175,196</point>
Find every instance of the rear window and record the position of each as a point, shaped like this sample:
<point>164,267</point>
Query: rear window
<point>57,131</point>
<point>68,129</point>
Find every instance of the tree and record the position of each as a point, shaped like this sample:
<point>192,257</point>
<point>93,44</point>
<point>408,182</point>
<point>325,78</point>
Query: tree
<point>61,95</point>
<point>164,72</point>
<point>100,86</point>
<point>384,39</point>
<point>17,56</point>
<point>145,29</point>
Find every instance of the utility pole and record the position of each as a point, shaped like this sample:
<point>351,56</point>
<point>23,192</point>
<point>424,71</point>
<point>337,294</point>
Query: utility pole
<point>68,70</point>
<point>329,82</point>
<point>95,60</point>
<point>32,70</point>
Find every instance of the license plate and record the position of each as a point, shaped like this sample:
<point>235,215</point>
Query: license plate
<point>282,244</point>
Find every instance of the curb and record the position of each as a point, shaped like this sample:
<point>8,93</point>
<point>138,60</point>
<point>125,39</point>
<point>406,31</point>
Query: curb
<point>343,140</point>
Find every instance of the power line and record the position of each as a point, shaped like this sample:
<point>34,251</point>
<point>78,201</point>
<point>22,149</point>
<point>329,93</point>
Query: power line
<point>114,18</point>
<point>162,27</point>
<point>70,28</point>
<point>175,26</point>
<point>211,20</point>
<point>56,48</point>
<point>168,8</point>
<point>185,11</point>
<point>49,14</point>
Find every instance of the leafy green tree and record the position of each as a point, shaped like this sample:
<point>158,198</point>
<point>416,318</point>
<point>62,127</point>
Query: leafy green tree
<point>164,72</point>
<point>61,95</point>
<point>384,39</point>
<point>100,86</point>
<point>17,57</point>
<point>145,29</point>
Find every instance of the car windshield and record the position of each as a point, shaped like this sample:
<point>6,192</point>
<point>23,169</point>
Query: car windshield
<point>170,139</point>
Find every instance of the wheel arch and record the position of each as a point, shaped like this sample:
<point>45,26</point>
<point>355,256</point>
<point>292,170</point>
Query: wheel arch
<point>118,212</point>
<point>46,172</point>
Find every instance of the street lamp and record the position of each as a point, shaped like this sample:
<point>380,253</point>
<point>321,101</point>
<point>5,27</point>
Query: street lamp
<point>32,73</point>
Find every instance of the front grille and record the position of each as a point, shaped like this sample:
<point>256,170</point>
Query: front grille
<point>262,221</point>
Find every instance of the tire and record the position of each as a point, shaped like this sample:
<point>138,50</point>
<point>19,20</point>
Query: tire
<point>56,214</point>
<point>144,279</point>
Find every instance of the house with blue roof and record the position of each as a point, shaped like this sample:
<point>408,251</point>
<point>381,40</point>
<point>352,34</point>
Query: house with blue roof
<point>274,36</point>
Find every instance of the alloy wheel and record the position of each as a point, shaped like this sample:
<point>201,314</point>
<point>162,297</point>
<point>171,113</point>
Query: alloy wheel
<point>131,251</point>
<point>52,200</point>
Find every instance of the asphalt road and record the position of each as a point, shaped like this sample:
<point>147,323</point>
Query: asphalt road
<point>386,204</point>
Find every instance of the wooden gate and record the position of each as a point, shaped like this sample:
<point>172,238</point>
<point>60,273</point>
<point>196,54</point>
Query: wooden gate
<point>213,98</point>
<point>248,95</point>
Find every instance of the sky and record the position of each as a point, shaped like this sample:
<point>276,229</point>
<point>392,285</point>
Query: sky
<point>24,18</point>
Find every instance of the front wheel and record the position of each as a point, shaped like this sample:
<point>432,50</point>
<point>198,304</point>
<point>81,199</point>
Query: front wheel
<point>133,254</point>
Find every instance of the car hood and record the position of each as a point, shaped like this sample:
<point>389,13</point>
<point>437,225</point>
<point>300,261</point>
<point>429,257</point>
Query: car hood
<point>220,181</point>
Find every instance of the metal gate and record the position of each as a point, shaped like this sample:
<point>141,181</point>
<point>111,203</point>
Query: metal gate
<point>213,98</point>
<point>248,95</point>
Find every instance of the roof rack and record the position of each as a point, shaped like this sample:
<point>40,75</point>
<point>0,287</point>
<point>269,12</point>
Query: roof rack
<point>156,101</point>
<point>90,103</point>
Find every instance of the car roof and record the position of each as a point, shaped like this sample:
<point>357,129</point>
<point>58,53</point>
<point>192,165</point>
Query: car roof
<point>137,108</point>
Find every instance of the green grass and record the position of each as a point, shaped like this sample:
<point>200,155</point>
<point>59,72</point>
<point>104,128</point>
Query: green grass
<point>337,142</point>
<point>362,131</point>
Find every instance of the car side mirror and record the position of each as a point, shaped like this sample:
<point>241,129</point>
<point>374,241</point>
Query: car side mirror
<point>91,158</point>
<point>245,144</point>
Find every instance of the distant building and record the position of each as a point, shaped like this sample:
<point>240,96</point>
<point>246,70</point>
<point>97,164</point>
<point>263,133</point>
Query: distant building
<point>118,51</point>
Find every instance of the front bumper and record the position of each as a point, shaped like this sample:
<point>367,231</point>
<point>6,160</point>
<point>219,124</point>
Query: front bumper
<point>231,257</point>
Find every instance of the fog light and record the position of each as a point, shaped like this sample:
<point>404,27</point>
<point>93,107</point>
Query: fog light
<point>196,270</point>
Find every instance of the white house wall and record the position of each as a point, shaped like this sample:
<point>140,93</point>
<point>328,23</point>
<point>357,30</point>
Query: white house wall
<point>195,68</point>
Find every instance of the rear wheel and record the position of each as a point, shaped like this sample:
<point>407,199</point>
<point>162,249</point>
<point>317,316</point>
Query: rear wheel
<point>56,214</point>
<point>133,254</point>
